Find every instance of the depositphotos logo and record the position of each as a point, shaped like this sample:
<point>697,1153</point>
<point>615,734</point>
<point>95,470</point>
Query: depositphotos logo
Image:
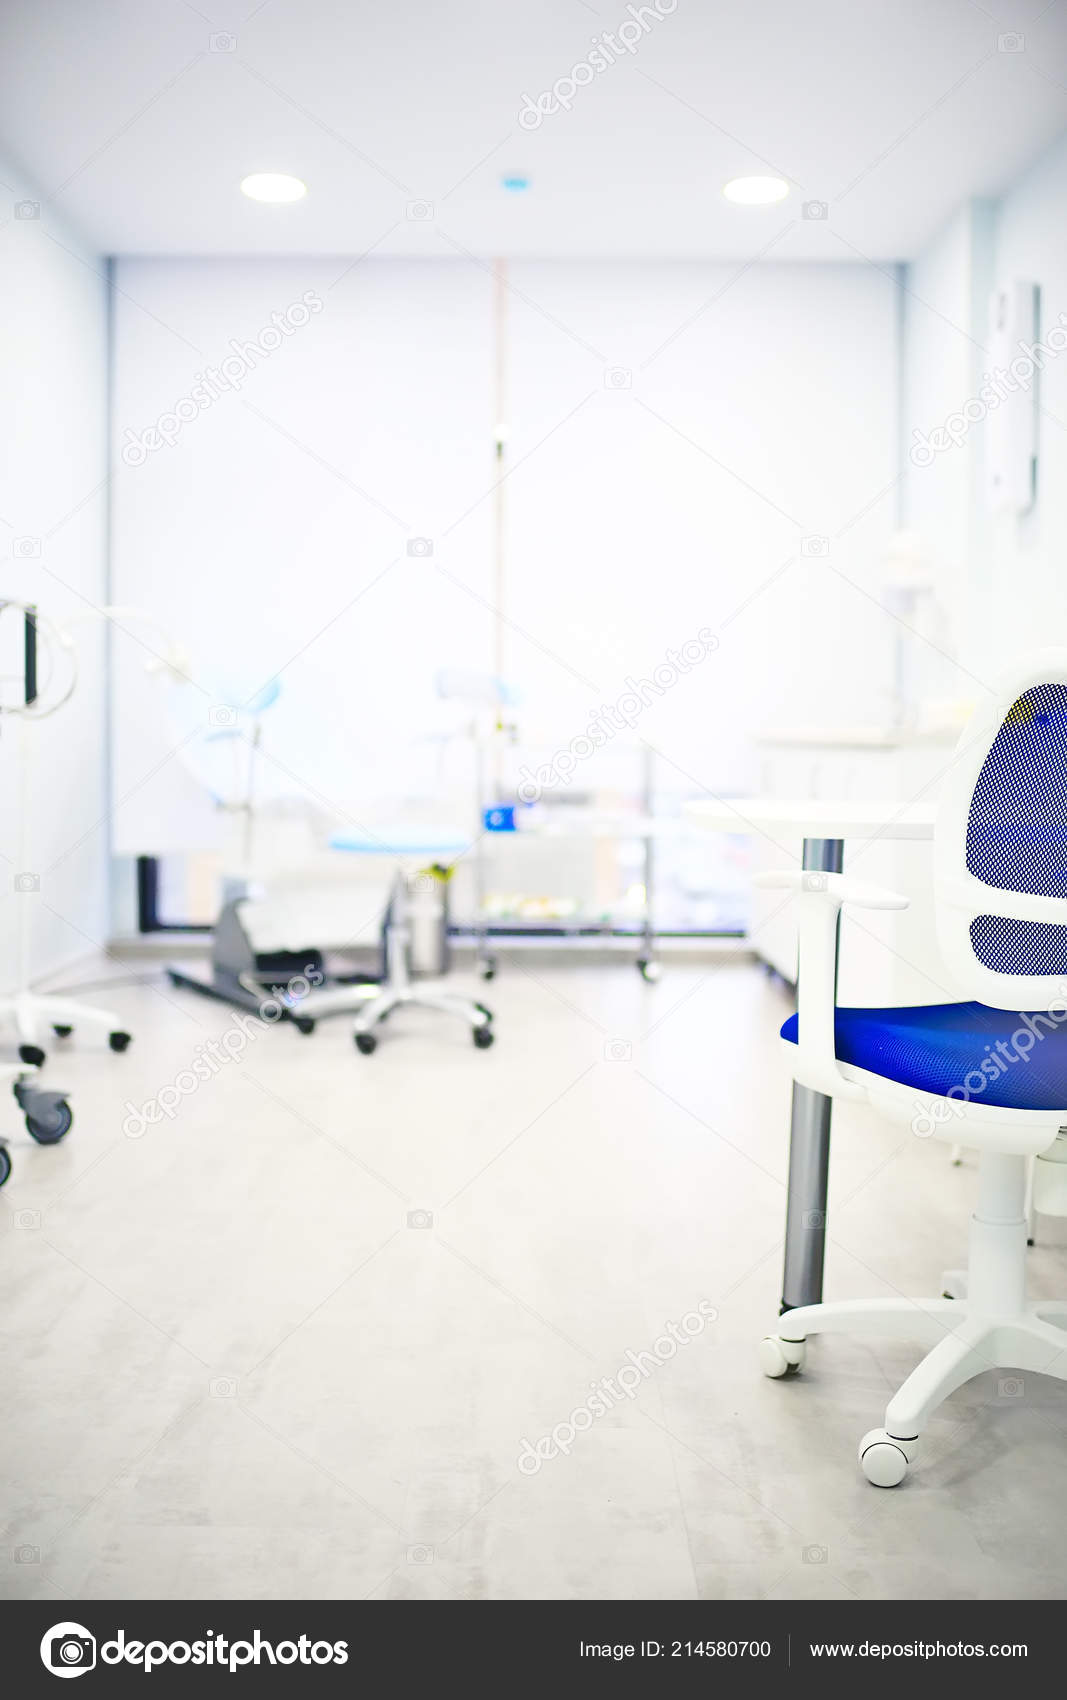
<point>68,1649</point>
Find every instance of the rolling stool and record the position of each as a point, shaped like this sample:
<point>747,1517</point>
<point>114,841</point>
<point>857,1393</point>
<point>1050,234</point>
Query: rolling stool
<point>398,988</point>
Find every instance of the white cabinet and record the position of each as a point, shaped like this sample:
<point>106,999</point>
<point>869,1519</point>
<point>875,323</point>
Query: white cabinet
<point>887,957</point>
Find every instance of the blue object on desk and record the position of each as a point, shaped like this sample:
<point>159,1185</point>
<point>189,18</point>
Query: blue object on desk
<point>500,818</point>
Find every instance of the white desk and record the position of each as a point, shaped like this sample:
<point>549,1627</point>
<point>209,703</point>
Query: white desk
<point>813,818</point>
<point>886,959</point>
<point>824,824</point>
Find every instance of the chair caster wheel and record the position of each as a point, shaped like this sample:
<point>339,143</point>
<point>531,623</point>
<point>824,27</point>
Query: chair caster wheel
<point>304,1023</point>
<point>483,1036</point>
<point>883,1458</point>
<point>5,1164</point>
<point>31,1054</point>
<point>119,1041</point>
<point>652,972</point>
<point>50,1118</point>
<point>61,1032</point>
<point>488,969</point>
<point>366,1042</point>
<point>778,1357</point>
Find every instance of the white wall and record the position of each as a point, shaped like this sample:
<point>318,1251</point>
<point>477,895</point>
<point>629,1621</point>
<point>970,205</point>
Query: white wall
<point>53,533</point>
<point>761,406</point>
<point>1002,575</point>
<point>1022,599</point>
<point>762,410</point>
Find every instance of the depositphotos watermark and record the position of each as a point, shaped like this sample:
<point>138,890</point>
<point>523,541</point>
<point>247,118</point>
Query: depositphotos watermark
<point>610,1389</point>
<point>611,719</point>
<point>210,1057</point>
<point>996,1062</point>
<point>997,386</point>
<point>607,48</point>
<point>69,1650</point>
<point>215,381</point>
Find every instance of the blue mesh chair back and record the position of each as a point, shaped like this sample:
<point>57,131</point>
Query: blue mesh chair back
<point>1017,832</point>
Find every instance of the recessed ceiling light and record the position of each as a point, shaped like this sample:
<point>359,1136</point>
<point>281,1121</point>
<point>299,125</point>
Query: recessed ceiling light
<point>756,191</point>
<point>273,186</point>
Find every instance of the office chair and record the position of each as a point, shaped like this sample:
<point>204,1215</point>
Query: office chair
<point>982,1073</point>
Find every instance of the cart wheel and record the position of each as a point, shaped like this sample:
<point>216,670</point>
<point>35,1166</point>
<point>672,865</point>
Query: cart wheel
<point>5,1164</point>
<point>31,1054</point>
<point>489,968</point>
<point>119,1041</point>
<point>51,1122</point>
<point>366,1042</point>
<point>61,1031</point>
<point>483,1037</point>
<point>649,970</point>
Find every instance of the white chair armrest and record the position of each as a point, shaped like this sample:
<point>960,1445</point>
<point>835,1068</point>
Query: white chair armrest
<point>819,901</point>
<point>835,886</point>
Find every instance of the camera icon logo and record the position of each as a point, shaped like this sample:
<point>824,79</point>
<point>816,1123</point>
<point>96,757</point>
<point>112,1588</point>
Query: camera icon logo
<point>68,1649</point>
<point>222,715</point>
<point>618,378</point>
<point>1010,1387</point>
<point>815,1219</point>
<point>27,882</point>
<point>26,548</point>
<point>815,1555</point>
<point>818,210</point>
<point>813,882</point>
<point>29,1219</point>
<point>27,1555</point>
<point>1011,42</point>
<point>420,1218</point>
<point>419,211</point>
<point>815,546</point>
<point>223,1387</point>
<point>618,1050</point>
<point>420,547</point>
<point>420,1555</point>
<point>27,209</point>
<point>223,42</point>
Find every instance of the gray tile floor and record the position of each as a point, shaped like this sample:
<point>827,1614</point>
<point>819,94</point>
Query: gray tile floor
<point>233,1368</point>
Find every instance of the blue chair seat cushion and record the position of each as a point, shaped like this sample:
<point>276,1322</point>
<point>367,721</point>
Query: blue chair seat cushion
<point>402,840</point>
<point>1002,1057</point>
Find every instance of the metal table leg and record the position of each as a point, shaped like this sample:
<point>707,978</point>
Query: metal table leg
<point>809,1151</point>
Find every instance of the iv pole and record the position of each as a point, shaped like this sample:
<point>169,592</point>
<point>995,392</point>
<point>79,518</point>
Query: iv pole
<point>485,960</point>
<point>500,442</point>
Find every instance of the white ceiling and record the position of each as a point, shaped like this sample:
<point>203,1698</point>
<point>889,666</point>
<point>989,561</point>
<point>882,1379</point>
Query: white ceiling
<point>131,120</point>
